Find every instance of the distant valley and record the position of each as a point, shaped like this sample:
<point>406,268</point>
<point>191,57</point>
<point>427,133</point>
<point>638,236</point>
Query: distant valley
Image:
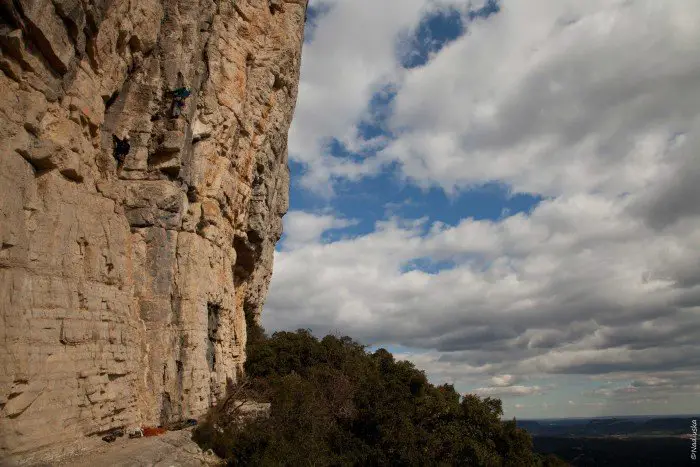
<point>615,441</point>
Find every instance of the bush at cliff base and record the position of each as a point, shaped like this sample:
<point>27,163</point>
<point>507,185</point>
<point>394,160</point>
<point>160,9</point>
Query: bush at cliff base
<point>334,403</point>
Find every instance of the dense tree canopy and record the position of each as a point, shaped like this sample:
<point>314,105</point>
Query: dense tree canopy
<point>334,403</point>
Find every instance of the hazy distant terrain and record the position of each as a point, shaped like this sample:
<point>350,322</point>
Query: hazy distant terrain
<point>615,441</point>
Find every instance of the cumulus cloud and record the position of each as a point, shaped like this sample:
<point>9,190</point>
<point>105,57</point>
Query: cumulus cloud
<point>591,104</point>
<point>567,288</point>
<point>515,391</point>
<point>658,386</point>
<point>553,97</point>
<point>350,57</point>
<point>503,380</point>
<point>353,54</point>
<point>303,228</point>
<point>579,286</point>
<point>550,96</point>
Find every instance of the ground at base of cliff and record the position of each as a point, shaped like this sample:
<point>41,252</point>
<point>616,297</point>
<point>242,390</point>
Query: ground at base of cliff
<point>174,448</point>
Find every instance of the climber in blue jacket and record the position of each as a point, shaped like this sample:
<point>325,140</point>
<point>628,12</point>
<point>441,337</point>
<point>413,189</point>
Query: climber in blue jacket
<point>179,96</point>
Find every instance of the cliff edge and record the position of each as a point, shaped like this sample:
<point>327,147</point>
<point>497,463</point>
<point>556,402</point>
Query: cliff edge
<point>143,176</point>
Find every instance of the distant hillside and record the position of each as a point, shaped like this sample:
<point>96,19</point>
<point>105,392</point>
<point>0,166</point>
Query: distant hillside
<point>615,452</point>
<point>614,441</point>
<point>633,426</point>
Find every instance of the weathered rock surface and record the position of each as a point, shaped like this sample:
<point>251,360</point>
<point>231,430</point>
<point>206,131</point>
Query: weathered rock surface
<point>172,449</point>
<point>125,285</point>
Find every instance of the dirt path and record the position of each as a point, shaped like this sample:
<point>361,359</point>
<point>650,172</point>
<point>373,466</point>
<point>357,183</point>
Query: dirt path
<point>174,448</point>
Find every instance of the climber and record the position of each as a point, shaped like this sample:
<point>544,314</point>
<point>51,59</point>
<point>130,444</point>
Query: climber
<point>275,5</point>
<point>181,93</point>
<point>121,148</point>
<point>179,96</point>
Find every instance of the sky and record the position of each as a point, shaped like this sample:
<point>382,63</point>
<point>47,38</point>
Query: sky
<point>506,193</point>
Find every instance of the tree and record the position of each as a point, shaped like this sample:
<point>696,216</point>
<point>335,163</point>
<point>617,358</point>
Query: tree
<point>334,403</point>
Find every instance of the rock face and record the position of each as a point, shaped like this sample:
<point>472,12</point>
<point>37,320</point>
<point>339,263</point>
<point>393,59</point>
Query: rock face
<point>137,223</point>
<point>172,449</point>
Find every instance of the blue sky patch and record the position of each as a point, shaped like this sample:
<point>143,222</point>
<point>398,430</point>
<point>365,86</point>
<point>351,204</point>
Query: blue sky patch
<point>313,15</point>
<point>491,7</point>
<point>386,195</point>
<point>433,33</point>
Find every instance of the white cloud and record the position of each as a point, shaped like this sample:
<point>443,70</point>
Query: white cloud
<point>514,391</point>
<point>554,97</point>
<point>658,386</point>
<point>303,228</point>
<point>503,380</point>
<point>579,286</point>
<point>351,57</point>
<point>593,104</point>
<point>550,96</point>
<point>353,54</point>
<point>515,283</point>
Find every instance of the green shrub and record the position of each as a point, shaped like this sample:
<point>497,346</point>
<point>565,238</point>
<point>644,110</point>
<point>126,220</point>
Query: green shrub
<point>334,403</point>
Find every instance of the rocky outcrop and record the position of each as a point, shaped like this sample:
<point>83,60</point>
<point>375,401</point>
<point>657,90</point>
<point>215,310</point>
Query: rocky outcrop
<point>172,449</point>
<point>143,166</point>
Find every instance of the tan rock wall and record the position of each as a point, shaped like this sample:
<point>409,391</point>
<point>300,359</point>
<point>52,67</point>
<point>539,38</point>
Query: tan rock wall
<point>124,286</point>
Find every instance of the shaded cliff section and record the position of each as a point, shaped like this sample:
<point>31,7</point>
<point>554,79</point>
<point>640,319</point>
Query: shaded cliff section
<point>127,270</point>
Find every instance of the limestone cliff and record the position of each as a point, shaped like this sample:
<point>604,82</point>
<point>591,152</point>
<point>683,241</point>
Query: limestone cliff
<point>143,177</point>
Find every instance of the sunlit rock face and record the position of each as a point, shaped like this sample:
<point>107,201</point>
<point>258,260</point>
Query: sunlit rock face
<point>143,176</point>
